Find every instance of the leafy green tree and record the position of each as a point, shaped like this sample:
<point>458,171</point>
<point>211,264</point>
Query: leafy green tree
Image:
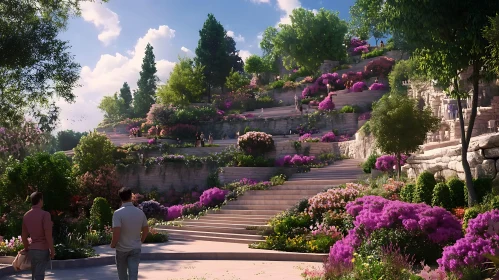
<point>211,53</point>
<point>236,80</point>
<point>144,96</point>
<point>446,48</point>
<point>403,71</point>
<point>398,125</point>
<point>50,174</point>
<point>185,85</point>
<point>35,65</point>
<point>68,139</point>
<point>267,43</point>
<point>94,151</point>
<point>310,39</point>
<point>368,20</point>
<point>126,95</point>
<point>101,214</point>
<point>233,60</point>
<point>255,65</point>
<point>491,33</point>
<point>112,106</point>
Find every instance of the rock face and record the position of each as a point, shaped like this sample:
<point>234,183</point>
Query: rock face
<point>483,157</point>
<point>328,66</point>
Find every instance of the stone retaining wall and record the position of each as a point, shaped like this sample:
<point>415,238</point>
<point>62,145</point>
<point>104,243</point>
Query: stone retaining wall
<point>232,174</point>
<point>483,157</point>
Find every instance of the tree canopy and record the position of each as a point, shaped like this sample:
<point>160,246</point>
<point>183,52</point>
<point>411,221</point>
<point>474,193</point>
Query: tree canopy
<point>310,39</point>
<point>491,33</point>
<point>68,139</point>
<point>367,19</point>
<point>126,95</point>
<point>185,85</point>
<point>144,97</point>
<point>112,107</point>
<point>399,126</point>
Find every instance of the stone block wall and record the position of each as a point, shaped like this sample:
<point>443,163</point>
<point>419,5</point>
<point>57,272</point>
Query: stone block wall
<point>232,174</point>
<point>483,157</point>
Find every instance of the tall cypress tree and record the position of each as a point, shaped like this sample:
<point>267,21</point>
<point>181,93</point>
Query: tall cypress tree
<point>211,53</point>
<point>144,97</point>
<point>126,95</point>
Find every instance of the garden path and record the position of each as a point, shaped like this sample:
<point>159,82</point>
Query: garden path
<point>242,220</point>
<point>188,270</point>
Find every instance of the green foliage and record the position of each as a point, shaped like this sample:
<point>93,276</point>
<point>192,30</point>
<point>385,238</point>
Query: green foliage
<point>185,85</point>
<point>457,192</point>
<point>277,84</point>
<point>471,213</point>
<point>407,192</point>
<point>68,139</point>
<point>350,109</point>
<point>278,180</point>
<point>424,188</point>
<point>255,65</point>
<point>368,20</point>
<point>213,180</point>
<point>144,97</point>
<point>101,214</point>
<point>389,265</point>
<point>310,39</point>
<point>236,80</point>
<point>374,53</point>
<point>441,196</point>
<point>248,129</point>
<point>94,151</point>
<point>253,161</point>
<point>491,33</point>
<point>267,43</point>
<point>112,107</point>
<point>36,65</point>
<point>370,163</point>
<point>126,96</point>
<point>50,174</point>
<point>392,117</point>
<point>483,186</point>
<point>156,237</point>
<point>402,71</point>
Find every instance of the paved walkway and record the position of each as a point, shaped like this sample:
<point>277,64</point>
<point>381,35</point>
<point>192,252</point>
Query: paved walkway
<point>189,270</point>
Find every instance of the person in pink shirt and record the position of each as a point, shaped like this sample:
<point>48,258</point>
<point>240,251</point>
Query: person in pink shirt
<point>37,224</point>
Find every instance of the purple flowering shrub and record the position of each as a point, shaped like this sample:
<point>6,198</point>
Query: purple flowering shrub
<point>246,181</point>
<point>332,79</point>
<point>151,208</point>
<point>358,86</point>
<point>192,209</point>
<point>387,162</point>
<point>373,213</point>
<point>295,160</point>
<point>307,137</point>
<point>326,104</point>
<point>356,42</point>
<point>377,86</point>
<point>365,116</point>
<point>328,137</point>
<point>482,237</point>
<point>360,50</point>
<point>173,212</point>
<point>213,197</point>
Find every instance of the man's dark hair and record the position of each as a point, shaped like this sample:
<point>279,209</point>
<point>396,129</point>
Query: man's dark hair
<point>125,194</point>
<point>36,197</point>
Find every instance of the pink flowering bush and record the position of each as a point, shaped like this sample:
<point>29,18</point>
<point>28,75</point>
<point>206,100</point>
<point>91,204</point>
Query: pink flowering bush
<point>353,76</point>
<point>387,162</point>
<point>356,42</point>
<point>333,199</point>
<point>373,213</point>
<point>482,237</point>
<point>326,104</point>
<point>296,160</point>
<point>173,212</point>
<point>379,67</point>
<point>360,50</point>
<point>328,137</point>
<point>307,137</point>
<point>333,79</point>
<point>21,141</point>
<point>256,143</point>
<point>358,86</point>
<point>365,116</point>
<point>212,197</point>
<point>10,247</point>
<point>377,86</point>
<point>308,79</point>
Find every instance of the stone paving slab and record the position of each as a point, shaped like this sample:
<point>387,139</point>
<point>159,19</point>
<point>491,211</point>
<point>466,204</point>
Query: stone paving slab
<point>189,270</point>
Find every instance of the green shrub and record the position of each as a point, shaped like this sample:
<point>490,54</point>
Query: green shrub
<point>213,180</point>
<point>156,237</point>
<point>101,214</point>
<point>441,196</point>
<point>94,151</point>
<point>248,129</point>
<point>424,188</point>
<point>347,109</point>
<point>472,213</point>
<point>277,84</point>
<point>252,161</point>
<point>457,192</point>
<point>483,186</point>
<point>370,163</point>
<point>278,180</point>
<point>374,53</point>
<point>407,192</point>
<point>286,225</point>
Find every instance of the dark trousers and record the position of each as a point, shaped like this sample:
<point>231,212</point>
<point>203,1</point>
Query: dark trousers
<point>39,262</point>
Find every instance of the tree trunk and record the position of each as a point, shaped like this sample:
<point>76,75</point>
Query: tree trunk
<point>466,138</point>
<point>397,164</point>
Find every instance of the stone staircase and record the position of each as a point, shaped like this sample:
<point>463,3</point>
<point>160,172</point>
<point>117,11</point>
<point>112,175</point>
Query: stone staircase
<point>240,221</point>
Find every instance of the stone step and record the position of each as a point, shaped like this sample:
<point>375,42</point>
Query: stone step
<point>280,207</point>
<point>224,223</point>
<point>295,197</point>
<point>325,182</point>
<point>298,187</point>
<point>216,216</point>
<point>176,236</point>
<point>282,192</point>
<point>211,228</point>
<point>259,201</point>
<point>249,212</point>
<point>183,232</point>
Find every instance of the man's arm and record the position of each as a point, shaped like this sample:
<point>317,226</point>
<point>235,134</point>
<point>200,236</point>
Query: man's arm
<point>116,236</point>
<point>145,228</point>
<point>24,237</point>
<point>47,227</point>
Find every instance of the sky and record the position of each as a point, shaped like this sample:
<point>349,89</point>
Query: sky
<point>109,40</point>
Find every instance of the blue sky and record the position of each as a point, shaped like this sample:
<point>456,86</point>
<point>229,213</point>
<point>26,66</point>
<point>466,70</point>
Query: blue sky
<point>108,40</point>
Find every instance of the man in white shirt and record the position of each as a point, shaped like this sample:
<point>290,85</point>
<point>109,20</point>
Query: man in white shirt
<point>128,224</point>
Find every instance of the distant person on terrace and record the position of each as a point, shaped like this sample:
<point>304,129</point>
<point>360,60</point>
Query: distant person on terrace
<point>37,224</point>
<point>130,230</point>
<point>381,45</point>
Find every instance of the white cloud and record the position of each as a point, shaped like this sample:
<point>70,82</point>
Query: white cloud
<point>103,18</point>
<point>238,38</point>
<point>287,6</point>
<point>109,74</point>
<point>259,37</point>
<point>244,54</point>
<point>260,1</point>
<point>184,49</point>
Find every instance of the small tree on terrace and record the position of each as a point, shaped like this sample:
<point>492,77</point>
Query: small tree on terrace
<point>399,126</point>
